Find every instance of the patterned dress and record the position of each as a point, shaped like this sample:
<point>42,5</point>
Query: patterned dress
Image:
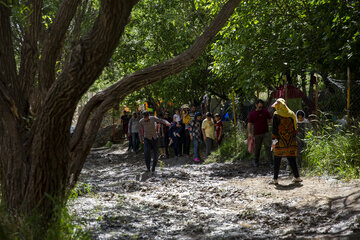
<point>284,131</point>
<point>195,129</point>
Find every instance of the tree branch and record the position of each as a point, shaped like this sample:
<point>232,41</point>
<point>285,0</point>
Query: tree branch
<point>30,53</point>
<point>8,100</point>
<point>77,22</point>
<point>53,44</point>
<point>9,84</point>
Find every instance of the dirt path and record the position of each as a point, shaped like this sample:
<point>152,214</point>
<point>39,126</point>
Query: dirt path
<point>214,201</point>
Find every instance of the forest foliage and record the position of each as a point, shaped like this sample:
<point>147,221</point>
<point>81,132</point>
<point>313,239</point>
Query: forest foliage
<point>263,41</point>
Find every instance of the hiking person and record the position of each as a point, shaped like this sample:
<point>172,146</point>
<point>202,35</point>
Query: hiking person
<point>303,126</point>
<point>125,121</point>
<point>177,116</point>
<point>149,138</point>
<point>133,131</point>
<point>195,135</point>
<point>176,137</point>
<point>208,130</point>
<point>284,139</point>
<point>258,119</point>
<point>160,129</point>
<point>166,133</point>
<point>219,129</point>
<point>186,134</point>
<point>192,112</point>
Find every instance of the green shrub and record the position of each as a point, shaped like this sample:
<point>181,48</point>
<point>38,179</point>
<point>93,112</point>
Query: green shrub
<point>233,146</point>
<point>108,144</point>
<point>80,189</point>
<point>65,227</point>
<point>333,152</point>
<point>62,227</point>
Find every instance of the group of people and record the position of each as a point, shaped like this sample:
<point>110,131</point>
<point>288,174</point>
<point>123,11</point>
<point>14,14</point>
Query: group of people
<point>288,133</point>
<point>164,132</point>
<point>186,125</point>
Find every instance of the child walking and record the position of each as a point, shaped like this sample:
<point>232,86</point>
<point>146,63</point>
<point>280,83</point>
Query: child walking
<point>177,116</point>
<point>303,126</point>
<point>219,129</point>
<point>160,129</point>
<point>195,135</point>
<point>176,133</point>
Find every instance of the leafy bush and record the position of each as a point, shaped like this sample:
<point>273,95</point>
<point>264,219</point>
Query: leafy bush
<point>64,227</point>
<point>333,151</point>
<point>80,189</point>
<point>233,147</point>
<point>108,144</point>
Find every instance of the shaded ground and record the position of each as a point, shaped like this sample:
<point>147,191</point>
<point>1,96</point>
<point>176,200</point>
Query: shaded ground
<point>214,201</point>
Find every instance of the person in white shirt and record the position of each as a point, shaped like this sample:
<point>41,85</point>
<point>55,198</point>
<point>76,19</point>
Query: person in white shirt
<point>133,130</point>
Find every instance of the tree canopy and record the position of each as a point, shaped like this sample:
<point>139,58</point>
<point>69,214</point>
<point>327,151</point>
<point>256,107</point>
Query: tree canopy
<point>263,41</point>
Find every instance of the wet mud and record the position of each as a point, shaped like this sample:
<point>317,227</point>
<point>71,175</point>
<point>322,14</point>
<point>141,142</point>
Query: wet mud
<point>118,200</point>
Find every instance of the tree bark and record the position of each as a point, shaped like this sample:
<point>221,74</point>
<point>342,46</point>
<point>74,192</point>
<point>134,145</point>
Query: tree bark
<point>311,87</point>
<point>53,43</point>
<point>12,166</point>
<point>9,83</point>
<point>29,54</point>
<point>303,84</point>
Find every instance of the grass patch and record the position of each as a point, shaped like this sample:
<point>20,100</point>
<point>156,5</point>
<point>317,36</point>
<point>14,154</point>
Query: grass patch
<point>333,152</point>
<point>81,189</point>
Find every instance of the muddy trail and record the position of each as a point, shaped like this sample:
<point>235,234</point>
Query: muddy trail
<point>117,200</point>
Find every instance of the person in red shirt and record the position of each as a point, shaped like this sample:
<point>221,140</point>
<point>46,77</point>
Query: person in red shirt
<point>219,129</point>
<point>258,120</point>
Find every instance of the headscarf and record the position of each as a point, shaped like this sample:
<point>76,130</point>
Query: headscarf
<point>197,114</point>
<point>283,110</point>
<point>304,119</point>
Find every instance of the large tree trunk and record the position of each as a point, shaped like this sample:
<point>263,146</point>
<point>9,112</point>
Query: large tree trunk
<point>12,165</point>
<point>38,159</point>
<point>34,150</point>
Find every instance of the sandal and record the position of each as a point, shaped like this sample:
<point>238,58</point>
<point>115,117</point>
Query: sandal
<point>274,182</point>
<point>295,180</point>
